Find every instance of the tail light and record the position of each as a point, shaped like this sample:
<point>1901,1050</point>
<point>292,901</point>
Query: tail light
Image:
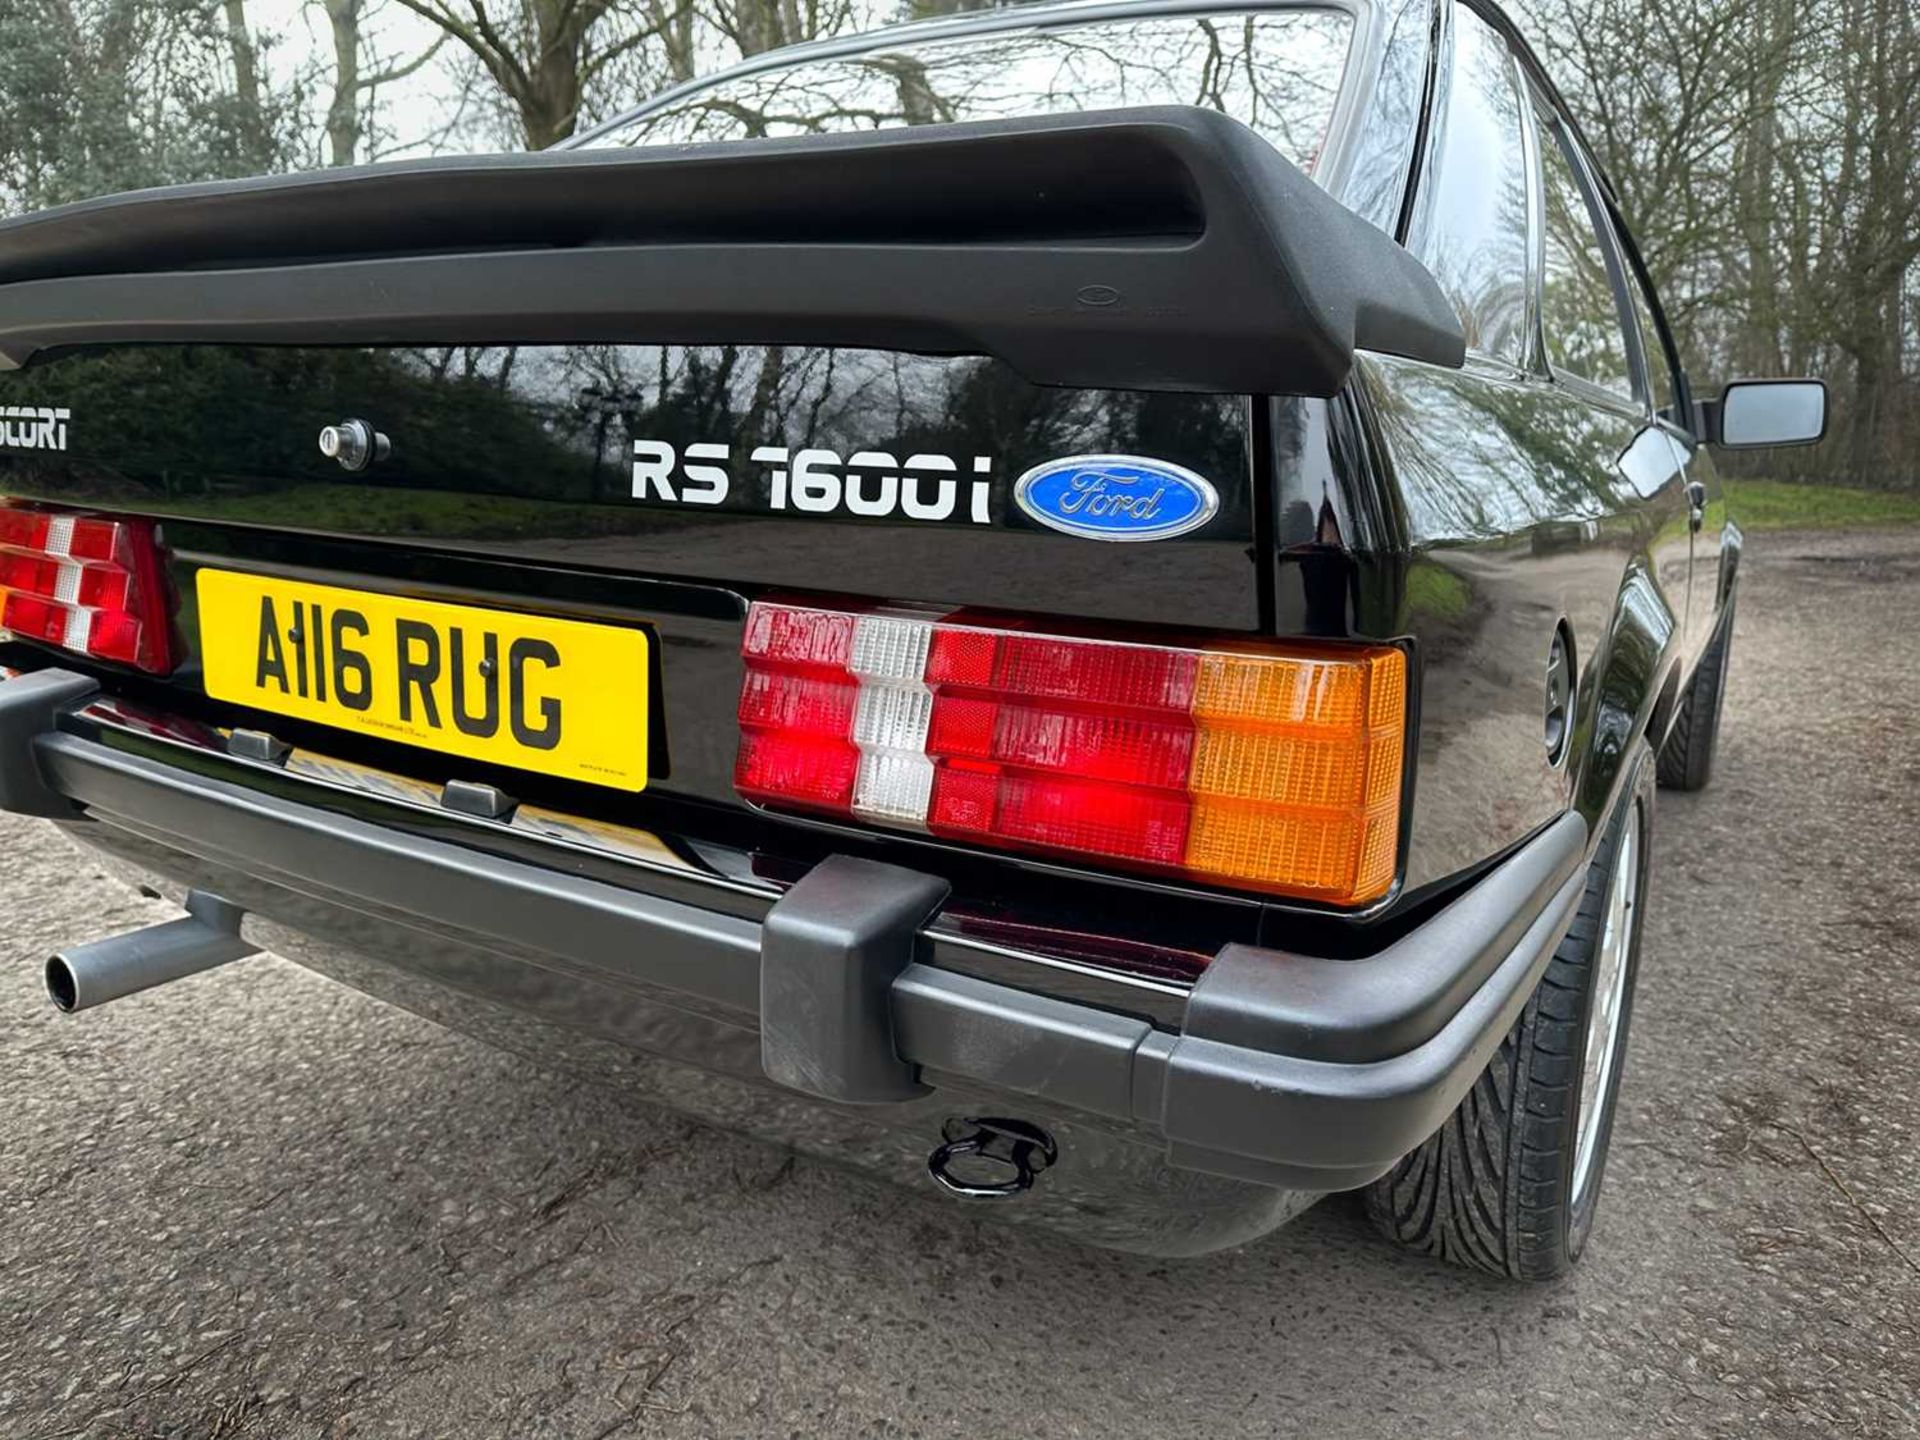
<point>87,584</point>
<point>1274,768</point>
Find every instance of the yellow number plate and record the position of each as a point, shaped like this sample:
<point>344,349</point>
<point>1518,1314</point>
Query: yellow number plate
<point>559,696</point>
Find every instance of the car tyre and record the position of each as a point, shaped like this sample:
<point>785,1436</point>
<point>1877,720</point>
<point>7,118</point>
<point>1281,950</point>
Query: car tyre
<point>1510,1182</point>
<point>1686,760</point>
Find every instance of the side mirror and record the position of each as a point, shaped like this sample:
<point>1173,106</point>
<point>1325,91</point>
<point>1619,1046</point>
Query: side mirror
<point>1751,414</point>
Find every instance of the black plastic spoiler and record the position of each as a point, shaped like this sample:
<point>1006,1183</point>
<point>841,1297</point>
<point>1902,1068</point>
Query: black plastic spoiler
<point>1164,248</point>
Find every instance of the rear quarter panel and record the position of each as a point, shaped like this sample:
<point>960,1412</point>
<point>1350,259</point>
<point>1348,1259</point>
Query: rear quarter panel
<point>1485,508</point>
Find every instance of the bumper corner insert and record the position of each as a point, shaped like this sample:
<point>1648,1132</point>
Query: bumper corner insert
<point>830,950</point>
<point>28,705</point>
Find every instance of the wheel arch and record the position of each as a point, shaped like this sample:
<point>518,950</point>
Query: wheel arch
<point>1733,542</point>
<point>1666,705</point>
<point>1632,690</point>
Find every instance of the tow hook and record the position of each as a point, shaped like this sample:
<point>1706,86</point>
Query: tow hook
<point>1013,1146</point>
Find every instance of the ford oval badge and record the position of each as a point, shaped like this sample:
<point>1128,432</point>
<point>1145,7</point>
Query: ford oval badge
<point>1116,497</point>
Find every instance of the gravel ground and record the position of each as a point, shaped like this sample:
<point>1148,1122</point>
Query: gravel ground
<point>256,1203</point>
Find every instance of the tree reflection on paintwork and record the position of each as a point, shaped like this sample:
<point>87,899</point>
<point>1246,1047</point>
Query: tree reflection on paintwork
<point>1579,312</point>
<point>1523,500</point>
<point>1494,457</point>
<point>224,430</point>
<point>1383,141</point>
<point>1471,227</point>
<point>1277,71</point>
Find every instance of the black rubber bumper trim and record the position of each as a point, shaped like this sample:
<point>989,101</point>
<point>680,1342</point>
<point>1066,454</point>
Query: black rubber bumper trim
<point>619,933</point>
<point>1288,1117</point>
<point>1292,1071</point>
<point>1235,1106</point>
<point>1318,1009</point>
<point>30,705</point>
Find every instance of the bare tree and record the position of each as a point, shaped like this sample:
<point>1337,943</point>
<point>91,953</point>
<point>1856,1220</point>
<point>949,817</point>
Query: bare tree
<point>1766,156</point>
<point>543,54</point>
<point>676,25</point>
<point>104,95</point>
<point>246,67</point>
<point>1873,218</point>
<point>343,114</point>
<point>354,89</point>
<point>756,26</point>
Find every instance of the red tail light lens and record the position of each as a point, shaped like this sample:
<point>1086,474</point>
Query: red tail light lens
<point>1274,768</point>
<point>88,584</point>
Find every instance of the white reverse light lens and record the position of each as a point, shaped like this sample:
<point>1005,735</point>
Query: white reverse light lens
<point>893,717</point>
<point>886,647</point>
<point>894,786</point>
<point>895,779</point>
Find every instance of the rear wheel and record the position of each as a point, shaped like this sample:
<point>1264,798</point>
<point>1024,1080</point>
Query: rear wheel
<point>1510,1182</point>
<point>1686,760</point>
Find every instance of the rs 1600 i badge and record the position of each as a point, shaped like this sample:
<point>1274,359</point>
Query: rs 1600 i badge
<point>1117,497</point>
<point>869,483</point>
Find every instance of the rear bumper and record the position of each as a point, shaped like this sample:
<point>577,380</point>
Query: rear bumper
<point>1288,1073</point>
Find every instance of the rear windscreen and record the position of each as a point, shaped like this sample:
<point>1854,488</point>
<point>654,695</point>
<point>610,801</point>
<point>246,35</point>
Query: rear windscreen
<point>1277,71</point>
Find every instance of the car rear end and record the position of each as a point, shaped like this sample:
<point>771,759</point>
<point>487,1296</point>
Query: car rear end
<point>656,616</point>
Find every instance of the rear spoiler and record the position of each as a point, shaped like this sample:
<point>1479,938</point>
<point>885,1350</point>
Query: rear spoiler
<point>1167,248</point>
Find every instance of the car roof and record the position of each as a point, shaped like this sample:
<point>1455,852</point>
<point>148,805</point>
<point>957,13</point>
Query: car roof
<point>975,22</point>
<point>1057,12</point>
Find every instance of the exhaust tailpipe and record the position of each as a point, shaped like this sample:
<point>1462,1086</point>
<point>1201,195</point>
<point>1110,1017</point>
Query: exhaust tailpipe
<point>90,975</point>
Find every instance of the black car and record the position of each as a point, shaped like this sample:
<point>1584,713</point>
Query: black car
<point>1078,607</point>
